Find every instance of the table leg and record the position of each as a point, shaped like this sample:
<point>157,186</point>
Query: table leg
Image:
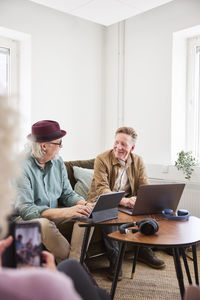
<point>182,250</point>
<point>119,264</point>
<point>85,242</point>
<point>194,252</point>
<point>179,272</point>
<point>134,261</point>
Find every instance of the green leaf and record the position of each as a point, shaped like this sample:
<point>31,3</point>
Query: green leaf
<point>185,162</point>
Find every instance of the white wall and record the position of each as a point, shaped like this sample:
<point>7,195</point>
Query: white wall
<point>148,76</point>
<point>111,85</point>
<point>66,72</point>
<point>72,60</point>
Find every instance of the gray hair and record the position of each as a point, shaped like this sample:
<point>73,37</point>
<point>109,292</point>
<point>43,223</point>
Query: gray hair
<point>35,149</point>
<point>128,130</point>
<point>9,131</point>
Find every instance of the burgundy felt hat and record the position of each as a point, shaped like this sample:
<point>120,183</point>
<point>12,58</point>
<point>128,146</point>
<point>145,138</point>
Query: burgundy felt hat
<point>46,131</point>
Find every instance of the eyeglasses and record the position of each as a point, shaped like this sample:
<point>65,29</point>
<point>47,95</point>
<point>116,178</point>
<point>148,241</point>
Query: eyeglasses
<point>58,144</point>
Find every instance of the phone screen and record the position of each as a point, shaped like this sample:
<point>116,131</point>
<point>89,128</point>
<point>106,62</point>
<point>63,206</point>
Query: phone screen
<point>27,245</point>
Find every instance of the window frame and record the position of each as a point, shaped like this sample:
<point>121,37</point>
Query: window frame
<point>13,69</point>
<point>193,97</point>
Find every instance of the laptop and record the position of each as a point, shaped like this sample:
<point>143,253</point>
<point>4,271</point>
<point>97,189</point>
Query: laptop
<point>153,198</point>
<point>106,207</point>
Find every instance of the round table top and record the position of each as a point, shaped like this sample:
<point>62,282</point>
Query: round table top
<point>170,233</point>
<point>122,219</point>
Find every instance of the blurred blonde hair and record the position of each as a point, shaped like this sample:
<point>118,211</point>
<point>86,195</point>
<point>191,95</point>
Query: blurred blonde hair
<point>8,159</point>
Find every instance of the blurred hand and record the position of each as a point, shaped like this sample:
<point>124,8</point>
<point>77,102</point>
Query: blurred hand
<point>3,245</point>
<point>49,261</point>
<point>128,202</point>
<point>82,202</point>
<point>76,211</point>
<point>90,205</point>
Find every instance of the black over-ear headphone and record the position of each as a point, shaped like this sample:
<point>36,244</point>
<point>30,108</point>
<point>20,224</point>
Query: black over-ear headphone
<point>146,226</point>
<point>182,214</point>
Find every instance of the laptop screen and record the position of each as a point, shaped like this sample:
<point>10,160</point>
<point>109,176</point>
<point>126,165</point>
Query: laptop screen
<point>107,201</point>
<point>153,198</point>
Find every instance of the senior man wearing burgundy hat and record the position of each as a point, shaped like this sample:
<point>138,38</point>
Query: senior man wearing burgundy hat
<point>43,183</point>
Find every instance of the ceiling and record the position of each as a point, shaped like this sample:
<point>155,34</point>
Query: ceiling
<point>104,12</point>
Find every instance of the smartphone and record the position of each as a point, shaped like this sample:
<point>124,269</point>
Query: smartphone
<point>25,251</point>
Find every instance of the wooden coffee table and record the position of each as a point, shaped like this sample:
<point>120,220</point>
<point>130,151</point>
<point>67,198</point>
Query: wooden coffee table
<point>122,219</point>
<point>171,234</point>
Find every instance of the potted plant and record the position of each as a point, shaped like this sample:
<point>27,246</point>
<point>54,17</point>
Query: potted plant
<point>186,162</point>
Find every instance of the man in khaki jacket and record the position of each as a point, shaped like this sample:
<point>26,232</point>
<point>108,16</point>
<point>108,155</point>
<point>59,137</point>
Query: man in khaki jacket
<point>120,170</point>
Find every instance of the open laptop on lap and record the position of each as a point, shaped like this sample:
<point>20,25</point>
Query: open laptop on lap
<point>153,198</point>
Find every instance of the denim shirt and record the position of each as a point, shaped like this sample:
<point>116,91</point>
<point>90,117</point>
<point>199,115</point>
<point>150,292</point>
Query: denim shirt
<point>39,189</point>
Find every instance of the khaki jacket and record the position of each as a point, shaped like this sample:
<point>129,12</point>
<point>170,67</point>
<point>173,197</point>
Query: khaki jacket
<point>106,168</point>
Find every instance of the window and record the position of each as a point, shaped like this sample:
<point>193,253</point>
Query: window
<point>185,121</point>
<point>4,70</point>
<point>15,75</point>
<point>9,69</point>
<point>193,97</point>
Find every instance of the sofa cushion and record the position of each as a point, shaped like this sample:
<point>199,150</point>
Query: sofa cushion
<point>83,177</point>
<point>89,164</point>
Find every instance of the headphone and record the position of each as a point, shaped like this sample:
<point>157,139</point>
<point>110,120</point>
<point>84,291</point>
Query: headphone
<point>182,214</point>
<point>146,226</point>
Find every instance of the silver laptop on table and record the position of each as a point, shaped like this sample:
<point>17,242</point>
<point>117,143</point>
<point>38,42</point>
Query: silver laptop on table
<point>153,198</point>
